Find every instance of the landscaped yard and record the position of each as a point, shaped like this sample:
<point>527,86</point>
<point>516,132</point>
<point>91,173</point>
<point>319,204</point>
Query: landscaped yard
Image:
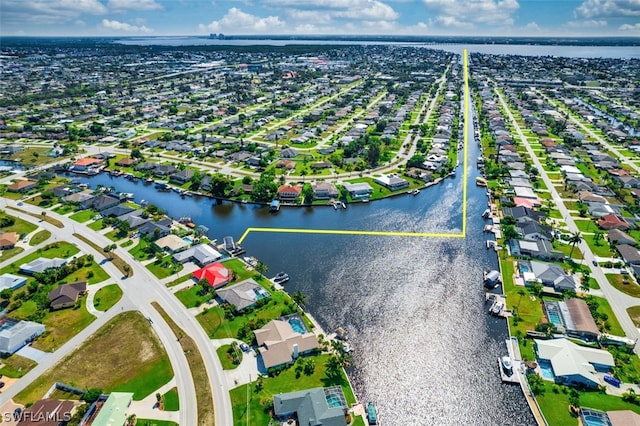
<point>180,280</point>
<point>92,274</point>
<point>170,399</point>
<point>9,253</point>
<point>192,297</point>
<point>97,225</point>
<point>107,296</point>
<point>106,361</point>
<point>613,323</point>
<point>237,266</point>
<point>153,422</point>
<point>83,216</point>
<point>60,249</point>
<point>586,225</point>
<point>285,382</point>
<point>19,226</point>
<point>62,325</point>
<point>165,267</point>
<point>599,248</point>
<point>143,250</point>
<point>16,366</point>
<point>225,357</point>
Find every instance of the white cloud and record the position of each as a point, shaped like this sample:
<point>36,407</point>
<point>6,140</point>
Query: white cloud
<point>589,23</point>
<point>81,23</point>
<point>241,22</point>
<point>48,11</point>
<point>607,9</point>
<point>367,10</point>
<point>121,5</point>
<point>124,27</point>
<point>465,13</point>
<point>532,26</point>
<point>630,27</point>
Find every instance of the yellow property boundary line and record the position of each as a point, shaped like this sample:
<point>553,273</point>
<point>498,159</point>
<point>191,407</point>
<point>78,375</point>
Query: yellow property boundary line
<point>462,234</point>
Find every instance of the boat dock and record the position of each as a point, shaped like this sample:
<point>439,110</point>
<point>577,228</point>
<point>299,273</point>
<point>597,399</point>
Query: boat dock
<point>517,365</point>
<point>498,305</point>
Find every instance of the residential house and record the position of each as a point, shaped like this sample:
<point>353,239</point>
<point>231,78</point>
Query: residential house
<point>11,281</point>
<point>392,182</point>
<point>155,229</point>
<point>280,344</point>
<point>101,202</point>
<point>41,264</point>
<point>16,334</point>
<point>616,236</point>
<point>577,319</point>
<point>310,407</point>
<point>79,197</point>
<point>547,274</point>
<point>244,294</point>
<point>8,240</point>
<point>572,364</point>
<point>534,231</point>
<point>171,243</point>
<point>47,412</point>
<point>538,249</point>
<point>114,411</point>
<point>629,254</point>
<point>202,254</point>
<point>66,295</point>
<point>22,185</point>
<point>289,192</point>
<point>216,274</point>
<point>523,214</point>
<point>84,164</point>
<point>182,176</point>
<point>613,221</point>
<point>126,162</point>
<point>288,153</point>
<point>117,211</point>
<point>324,190</point>
<point>358,190</point>
<point>601,209</point>
<point>164,170</point>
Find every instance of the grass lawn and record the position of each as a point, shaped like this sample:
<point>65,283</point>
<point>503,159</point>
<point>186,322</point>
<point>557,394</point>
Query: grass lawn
<point>192,297</point>
<point>19,226</point>
<point>60,249</point>
<point>634,313</point>
<point>113,258</point>
<point>107,296</point>
<point>599,248</point>
<point>16,366</point>
<point>9,253</point>
<point>225,358</point>
<point>171,402</point>
<point>92,274</point>
<point>268,312</point>
<point>97,225</point>
<point>142,251</point>
<point>614,326</point>
<point>237,266</point>
<point>115,235</point>
<point>555,406</point>
<point>127,243</point>
<point>64,209</point>
<point>628,287</point>
<point>165,267</point>
<point>180,280</point>
<point>40,237</point>
<point>62,325</point>
<point>103,361</point>
<point>566,249</point>
<point>586,226</point>
<point>285,382</point>
<point>83,216</point>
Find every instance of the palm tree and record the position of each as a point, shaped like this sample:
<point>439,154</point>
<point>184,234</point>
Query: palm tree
<point>299,298</point>
<point>597,237</point>
<point>576,238</point>
<point>262,267</point>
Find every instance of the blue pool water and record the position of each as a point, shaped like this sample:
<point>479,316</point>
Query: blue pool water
<point>546,370</point>
<point>554,317</point>
<point>594,418</point>
<point>260,294</point>
<point>334,401</point>
<point>523,268</point>
<point>187,240</point>
<point>297,325</point>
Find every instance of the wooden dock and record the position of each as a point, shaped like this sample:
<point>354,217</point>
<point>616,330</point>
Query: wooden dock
<point>516,365</point>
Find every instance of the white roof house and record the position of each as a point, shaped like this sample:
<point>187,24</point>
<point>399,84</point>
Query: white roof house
<point>11,281</point>
<point>203,254</point>
<point>358,190</point>
<point>41,264</point>
<point>574,364</point>
<point>14,335</point>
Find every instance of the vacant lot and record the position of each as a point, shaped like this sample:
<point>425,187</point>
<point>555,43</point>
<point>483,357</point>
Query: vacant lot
<point>124,355</point>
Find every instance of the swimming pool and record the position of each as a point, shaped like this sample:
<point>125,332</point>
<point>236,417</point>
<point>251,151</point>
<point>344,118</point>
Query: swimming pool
<point>553,313</point>
<point>260,293</point>
<point>297,325</point>
<point>546,370</point>
<point>523,267</point>
<point>187,240</point>
<point>334,401</point>
<point>594,418</point>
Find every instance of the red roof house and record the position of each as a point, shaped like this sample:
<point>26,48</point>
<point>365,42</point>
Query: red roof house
<point>289,192</point>
<point>215,273</point>
<point>612,221</point>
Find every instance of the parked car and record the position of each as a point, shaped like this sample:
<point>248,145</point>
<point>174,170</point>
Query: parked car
<point>245,347</point>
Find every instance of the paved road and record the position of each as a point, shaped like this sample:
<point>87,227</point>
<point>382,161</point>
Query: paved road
<point>618,300</point>
<point>139,291</point>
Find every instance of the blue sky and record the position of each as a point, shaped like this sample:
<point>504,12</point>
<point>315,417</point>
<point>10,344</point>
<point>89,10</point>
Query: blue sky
<point>414,17</point>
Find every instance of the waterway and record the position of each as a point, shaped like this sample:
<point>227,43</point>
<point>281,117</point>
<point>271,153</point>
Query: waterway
<point>424,348</point>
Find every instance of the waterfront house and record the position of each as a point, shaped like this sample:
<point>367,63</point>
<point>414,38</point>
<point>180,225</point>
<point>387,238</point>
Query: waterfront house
<point>66,295</point>
<point>324,190</point>
<point>171,243</point>
<point>155,229</point>
<point>548,274</point>
<point>523,214</point>
<point>101,202</point>
<point>84,164</point>
<point>311,407</point>
<point>358,190</point>
<point>572,364</point>
<point>117,211</point>
<point>202,254</point>
<point>280,344</point>
<point>538,249</point>
<point>164,170</point>
<point>126,162</point>
<point>182,176</point>
<point>578,321</point>
<point>243,295</point>
<point>216,274</point>
<point>533,231</point>
<point>613,221</point>
<point>392,182</point>
<point>78,197</point>
<point>22,185</point>
<point>289,193</point>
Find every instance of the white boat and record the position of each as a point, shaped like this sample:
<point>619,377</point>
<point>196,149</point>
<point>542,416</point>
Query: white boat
<point>497,308</point>
<point>281,277</point>
<point>507,365</point>
<point>344,206</point>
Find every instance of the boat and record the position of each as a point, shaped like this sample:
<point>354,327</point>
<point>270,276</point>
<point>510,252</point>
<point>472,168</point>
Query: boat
<point>335,206</point>
<point>244,201</point>
<point>507,365</point>
<point>281,277</point>
<point>365,200</point>
<point>486,213</point>
<point>344,206</point>
<point>480,181</point>
<point>497,307</point>
<point>149,180</point>
<point>144,203</point>
<point>416,192</point>
<point>372,414</point>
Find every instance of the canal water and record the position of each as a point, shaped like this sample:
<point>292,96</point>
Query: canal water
<point>424,348</point>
